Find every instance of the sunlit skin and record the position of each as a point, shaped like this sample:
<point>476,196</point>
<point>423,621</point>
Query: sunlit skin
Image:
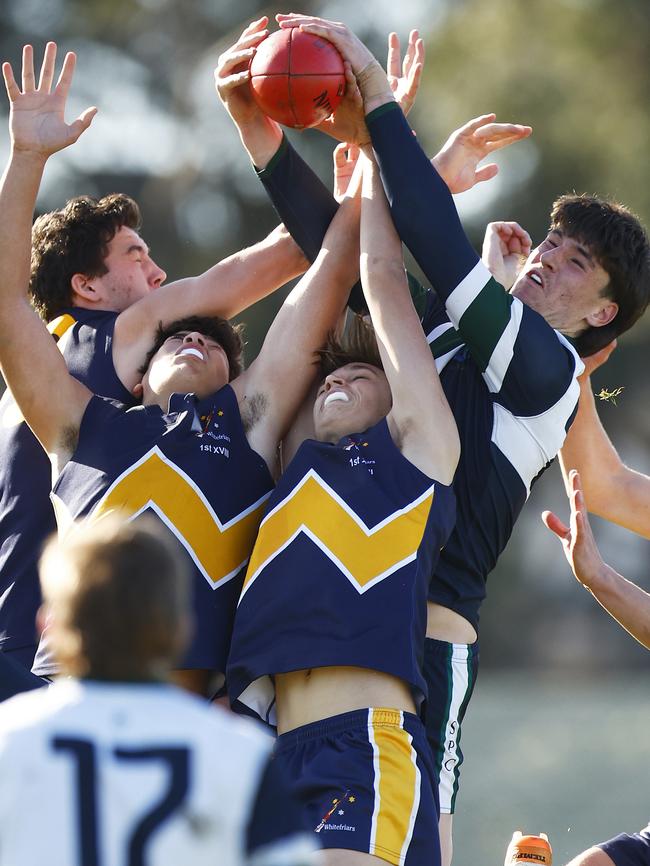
<point>351,399</point>
<point>187,362</point>
<point>131,275</point>
<point>564,283</point>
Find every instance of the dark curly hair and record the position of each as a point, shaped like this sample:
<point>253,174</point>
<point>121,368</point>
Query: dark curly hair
<point>228,336</point>
<point>619,242</point>
<point>74,240</point>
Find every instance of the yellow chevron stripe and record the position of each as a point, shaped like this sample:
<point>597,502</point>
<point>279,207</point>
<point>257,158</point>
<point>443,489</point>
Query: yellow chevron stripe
<point>364,555</point>
<point>219,550</point>
<point>57,327</point>
<point>397,787</point>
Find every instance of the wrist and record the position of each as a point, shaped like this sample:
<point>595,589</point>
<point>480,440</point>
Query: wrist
<point>261,139</point>
<point>28,157</point>
<point>374,87</point>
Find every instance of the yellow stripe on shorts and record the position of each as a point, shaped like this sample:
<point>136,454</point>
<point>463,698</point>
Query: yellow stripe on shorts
<point>397,785</point>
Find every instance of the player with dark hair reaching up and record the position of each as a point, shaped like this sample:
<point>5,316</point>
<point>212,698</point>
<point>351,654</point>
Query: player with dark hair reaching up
<point>119,765</point>
<point>93,280</point>
<point>507,361</point>
<point>329,631</point>
<point>201,450</point>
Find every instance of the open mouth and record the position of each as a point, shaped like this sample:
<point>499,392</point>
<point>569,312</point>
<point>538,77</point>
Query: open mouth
<point>535,278</point>
<point>336,397</point>
<point>195,353</point>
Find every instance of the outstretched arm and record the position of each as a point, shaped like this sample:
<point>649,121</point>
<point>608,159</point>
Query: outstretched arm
<point>624,600</point>
<point>51,400</point>
<point>285,366</point>
<point>521,358</point>
<point>611,489</point>
<point>420,419</point>
<point>227,288</point>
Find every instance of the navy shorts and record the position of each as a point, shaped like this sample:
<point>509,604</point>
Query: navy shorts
<point>629,849</point>
<point>450,670</point>
<point>365,780</point>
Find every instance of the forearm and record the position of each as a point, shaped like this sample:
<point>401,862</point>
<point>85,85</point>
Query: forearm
<point>253,273</point>
<point>18,191</point>
<point>301,200</point>
<point>421,205</point>
<point>623,600</point>
<point>261,139</point>
<point>589,449</point>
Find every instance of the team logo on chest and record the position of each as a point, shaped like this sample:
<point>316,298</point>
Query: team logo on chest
<point>365,555</point>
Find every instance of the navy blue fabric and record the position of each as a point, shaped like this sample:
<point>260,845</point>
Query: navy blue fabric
<point>332,766</point>
<point>26,516</point>
<point>629,849</point>
<point>15,677</point>
<point>302,611</point>
<point>277,814</point>
<point>201,440</point>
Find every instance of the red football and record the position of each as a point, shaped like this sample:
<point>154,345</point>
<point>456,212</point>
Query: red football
<point>297,78</point>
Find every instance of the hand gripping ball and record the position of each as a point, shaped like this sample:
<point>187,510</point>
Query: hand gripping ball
<point>297,78</point>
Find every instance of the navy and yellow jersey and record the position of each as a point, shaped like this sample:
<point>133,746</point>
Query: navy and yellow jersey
<point>509,378</point>
<point>341,566</point>
<point>194,470</point>
<point>26,518</point>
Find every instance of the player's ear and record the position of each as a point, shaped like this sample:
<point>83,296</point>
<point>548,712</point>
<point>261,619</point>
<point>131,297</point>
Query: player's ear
<point>81,286</point>
<point>603,315</point>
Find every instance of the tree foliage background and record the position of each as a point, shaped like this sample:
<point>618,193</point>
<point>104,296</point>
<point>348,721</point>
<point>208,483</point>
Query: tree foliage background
<point>576,70</point>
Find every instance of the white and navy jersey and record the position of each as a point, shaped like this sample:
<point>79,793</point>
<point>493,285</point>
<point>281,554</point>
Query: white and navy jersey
<point>509,378</point>
<point>103,774</point>
<point>512,386</point>
<point>192,469</point>
<point>341,567</point>
<point>85,338</point>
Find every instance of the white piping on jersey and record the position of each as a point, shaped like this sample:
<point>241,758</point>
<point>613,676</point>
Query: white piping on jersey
<point>530,442</point>
<point>469,288</point>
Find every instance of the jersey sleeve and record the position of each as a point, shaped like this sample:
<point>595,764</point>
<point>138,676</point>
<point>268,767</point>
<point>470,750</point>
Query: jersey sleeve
<point>304,205</point>
<point>525,364</point>
<point>300,198</point>
<point>276,835</point>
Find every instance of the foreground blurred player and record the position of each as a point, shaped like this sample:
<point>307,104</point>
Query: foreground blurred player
<point>118,766</point>
<point>329,632</point>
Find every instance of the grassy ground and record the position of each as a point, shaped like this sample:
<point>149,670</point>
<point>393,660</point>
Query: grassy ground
<point>545,754</point>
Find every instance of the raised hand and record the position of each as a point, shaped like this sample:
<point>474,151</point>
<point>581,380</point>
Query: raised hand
<point>505,248</point>
<point>231,75</point>
<point>577,539</point>
<point>340,35</point>
<point>36,120</point>
<point>404,77</point>
<point>457,161</point>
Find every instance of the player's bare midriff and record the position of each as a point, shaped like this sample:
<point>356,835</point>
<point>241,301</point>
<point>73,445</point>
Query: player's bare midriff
<point>307,696</point>
<point>445,624</point>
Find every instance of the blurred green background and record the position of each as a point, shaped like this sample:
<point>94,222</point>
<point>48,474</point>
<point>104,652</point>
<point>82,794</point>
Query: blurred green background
<point>557,734</point>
